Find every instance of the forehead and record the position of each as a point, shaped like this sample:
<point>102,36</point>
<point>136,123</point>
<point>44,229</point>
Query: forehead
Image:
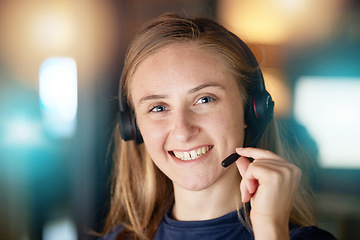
<point>188,51</point>
<point>188,57</point>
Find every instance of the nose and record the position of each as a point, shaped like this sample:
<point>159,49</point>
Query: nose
<point>184,127</point>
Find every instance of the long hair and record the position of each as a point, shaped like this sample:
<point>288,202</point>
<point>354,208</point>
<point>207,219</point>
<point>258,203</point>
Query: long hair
<point>141,193</point>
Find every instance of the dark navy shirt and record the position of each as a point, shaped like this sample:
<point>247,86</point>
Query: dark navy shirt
<point>227,227</point>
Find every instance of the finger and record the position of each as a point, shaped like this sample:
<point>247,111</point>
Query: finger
<point>242,164</point>
<point>275,166</point>
<point>257,153</point>
<point>247,187</point>
<point>245,194</point>
<point>250,182</point>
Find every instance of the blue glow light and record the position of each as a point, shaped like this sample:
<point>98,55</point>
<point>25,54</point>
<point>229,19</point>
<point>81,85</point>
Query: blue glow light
<point>60,229</point>
<point>22,131</point>
<point>330,110</point>
<point>58,96</point>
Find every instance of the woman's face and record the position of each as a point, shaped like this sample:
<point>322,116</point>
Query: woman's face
<point>189,112</point>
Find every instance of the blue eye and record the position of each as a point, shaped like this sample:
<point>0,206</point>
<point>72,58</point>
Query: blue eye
<point>205,99</point>
<point>158,108</point>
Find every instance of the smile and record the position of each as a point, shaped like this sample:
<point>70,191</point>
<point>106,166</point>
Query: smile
<point>193,154</point>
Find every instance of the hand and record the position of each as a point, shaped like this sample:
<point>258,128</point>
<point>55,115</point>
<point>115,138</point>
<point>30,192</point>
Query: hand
<point>270,183</point>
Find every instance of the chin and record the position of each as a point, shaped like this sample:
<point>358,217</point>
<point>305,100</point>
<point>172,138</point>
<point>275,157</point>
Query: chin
<point>196,186</point>
<point>197,183</point>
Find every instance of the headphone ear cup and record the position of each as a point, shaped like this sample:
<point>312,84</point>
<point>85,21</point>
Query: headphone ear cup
<point>263,108</point>
<point>260,112</point>
<point>127,122</point>
<point>138,137</point>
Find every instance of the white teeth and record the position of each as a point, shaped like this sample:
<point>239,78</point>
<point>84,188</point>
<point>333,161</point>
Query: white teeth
<point>187,156</point>
<point>177,154</point>
<point>193,154</point>
<point>203,150</point>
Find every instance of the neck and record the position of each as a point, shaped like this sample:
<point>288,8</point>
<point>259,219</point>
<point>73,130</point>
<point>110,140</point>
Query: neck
<point>215,201</point>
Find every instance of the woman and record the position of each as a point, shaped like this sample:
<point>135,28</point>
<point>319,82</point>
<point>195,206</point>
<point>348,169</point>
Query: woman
<point>190,84</point>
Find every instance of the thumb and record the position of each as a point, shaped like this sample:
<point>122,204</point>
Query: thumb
<point>242,164</point>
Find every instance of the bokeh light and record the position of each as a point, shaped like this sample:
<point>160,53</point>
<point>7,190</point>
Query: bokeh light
<point>58,90</point>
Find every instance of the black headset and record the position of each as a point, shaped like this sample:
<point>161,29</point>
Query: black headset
<point>259,110</point>
<point>260,107</point>
<point>127,121</point>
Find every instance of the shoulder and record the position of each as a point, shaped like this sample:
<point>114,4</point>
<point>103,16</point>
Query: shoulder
<point>310,233</point>
<point>113,234</point>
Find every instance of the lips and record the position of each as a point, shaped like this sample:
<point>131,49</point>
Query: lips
<point>193,154</point>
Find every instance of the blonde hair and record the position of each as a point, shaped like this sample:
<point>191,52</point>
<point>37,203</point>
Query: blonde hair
<point>141,193</point>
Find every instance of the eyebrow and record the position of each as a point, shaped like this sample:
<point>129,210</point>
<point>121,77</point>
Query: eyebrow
<point>152,97</point>
<point>193,90</point>
<point>205,85</point>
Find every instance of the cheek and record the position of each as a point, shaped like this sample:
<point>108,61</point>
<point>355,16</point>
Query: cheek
<point>232,124</point>
<point>154,136</point>
<point>232,127</point>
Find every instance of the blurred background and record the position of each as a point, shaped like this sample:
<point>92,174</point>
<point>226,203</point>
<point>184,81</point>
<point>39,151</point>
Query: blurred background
<point>60,62</point>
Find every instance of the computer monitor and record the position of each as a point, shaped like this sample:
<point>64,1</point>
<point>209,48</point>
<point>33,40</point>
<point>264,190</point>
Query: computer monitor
<point>329,108</point>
